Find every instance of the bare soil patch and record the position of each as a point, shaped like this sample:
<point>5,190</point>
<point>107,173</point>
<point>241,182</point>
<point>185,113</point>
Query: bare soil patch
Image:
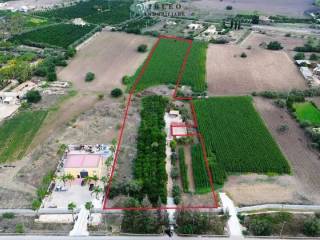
<point>229,74</point>
<point>110,56</point>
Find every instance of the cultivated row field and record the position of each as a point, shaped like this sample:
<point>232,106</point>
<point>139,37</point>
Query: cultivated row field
<point>166,63</point>
<point>17,133</point>
<point>93,11</point>
<point>60,35</point>
<point>238,137</point>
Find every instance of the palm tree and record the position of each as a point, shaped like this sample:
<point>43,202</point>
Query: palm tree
<point>89,207</point>
<point>95,179</point>
<point>104,179</point>
<point>36,204</point>
<point>71,207</point>
<point>96,190</point>
<point>69,178</point>
<point>64,179</point>
<point>87,179</point>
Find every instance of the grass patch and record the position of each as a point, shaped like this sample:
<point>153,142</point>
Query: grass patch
<point>16,134</point>
<point>60,35</point>
<point>238,136</point>
<point>306,111</point>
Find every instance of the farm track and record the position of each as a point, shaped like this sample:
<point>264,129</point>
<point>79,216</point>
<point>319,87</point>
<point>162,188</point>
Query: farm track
<point>175,97</point>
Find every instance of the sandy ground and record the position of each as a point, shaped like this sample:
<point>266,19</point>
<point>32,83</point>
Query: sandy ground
<point>7,110</point>
<point>281,7</point>
<point>302,187</point>
<point>109,56</point>
<point>229,74</point>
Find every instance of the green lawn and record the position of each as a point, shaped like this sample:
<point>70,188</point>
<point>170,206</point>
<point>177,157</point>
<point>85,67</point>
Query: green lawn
<point>306,111</point>
<point>235,133</point>
<point>17,133</point>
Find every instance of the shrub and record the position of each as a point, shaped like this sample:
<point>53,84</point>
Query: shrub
<point>311,227</point>
<point>19,228</point>
<point>299,56</point>
<point>8,215</point>
<point>117,92</point>
<point>33,96</point>
<point>173,145</point>
<point>52,76</point>
<point>229,7</point>
<point>314,57</point>
<point>71,52</point>
<point>243,55</point>
<point>174,173</point>
<point>142,48</point>
<point>260,227</point>
<point>176,194</point>
<point>89,77</point>
<point>274,45</point>
<point>125,80</point>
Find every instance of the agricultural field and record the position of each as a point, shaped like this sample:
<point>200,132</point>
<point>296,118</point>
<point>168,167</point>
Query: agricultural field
<point>238,136</point>
<point>195,71</point>
<point>16,134</point>
<point>149,165</point>
<point>183,170</point>
<point>166,62</point>
<point>60,35</point>
<point>306,111</point>
<point>93,11</point>
<point>230,74</point>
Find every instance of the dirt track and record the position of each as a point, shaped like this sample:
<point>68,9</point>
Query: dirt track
<point>229,74</point>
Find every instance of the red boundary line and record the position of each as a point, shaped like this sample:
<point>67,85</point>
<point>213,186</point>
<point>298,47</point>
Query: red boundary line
<point>198,134</point>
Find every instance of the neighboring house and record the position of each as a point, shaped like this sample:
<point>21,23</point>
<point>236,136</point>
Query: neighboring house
<point>81,165</point>
<point>264,20</point>
<point>79,22</point>
<point>303,62</point>
<point>307,74</point>
<point>316,71</point>
<point>195,26</point>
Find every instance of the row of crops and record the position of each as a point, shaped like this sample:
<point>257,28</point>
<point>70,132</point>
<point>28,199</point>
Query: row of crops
<point>200,171</point>
<point>60,35</point>
<point>238,138</point>
<point>166,62</point>
<point>183,170</point>
<point>195,71</point>
<point>93,11</point>
<point>149,165</point>
<point>17,133</point>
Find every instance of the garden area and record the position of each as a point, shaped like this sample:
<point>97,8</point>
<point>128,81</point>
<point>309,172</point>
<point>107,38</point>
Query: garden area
<point>238,138</point>
<point>16,134</point>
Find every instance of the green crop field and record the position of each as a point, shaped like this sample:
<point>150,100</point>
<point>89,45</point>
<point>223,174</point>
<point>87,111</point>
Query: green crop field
<point>166,62</point>
<point>183,170</point>
<point>306,111</point>
<point>93,11</point>
<point>195,71</point>
<point>149,165</point>
<point>237,136</point>
<point>60,35</point>
<point>17,133</point>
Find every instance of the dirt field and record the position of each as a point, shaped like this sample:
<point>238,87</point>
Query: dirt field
<point>110,56</point>
<point>229,74</point>
<point>294,8</point>
<point>302,187</point>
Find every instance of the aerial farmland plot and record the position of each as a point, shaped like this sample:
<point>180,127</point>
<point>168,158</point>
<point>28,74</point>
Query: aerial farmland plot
<point>60,35</point>
<point>238,136</point>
